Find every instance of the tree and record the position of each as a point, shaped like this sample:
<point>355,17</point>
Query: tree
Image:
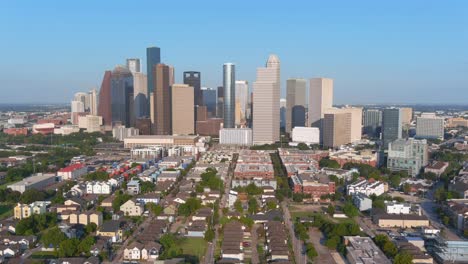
<point>253,205</point>
<point>328,163</point>
<point>32,195</point>
<point>271,205</point>
<point>189,207</point>
<point>53,237</point>
<point>395,180</point>
<point>440,194</point>
<point>86,244</point>
<point>68,248</point>
<point>146,187</point>
<point>303,146</point>
<point>429,176</point>
<point>238,206</point>
<point>91,228</point>
<point>331,210</point>
<point>156,209</point>
<point>332,242</point>
<point>403,258</point>
<point>350,210</point>
<point>209,235</point>
<point>406,188</point>
<point>310,250</point>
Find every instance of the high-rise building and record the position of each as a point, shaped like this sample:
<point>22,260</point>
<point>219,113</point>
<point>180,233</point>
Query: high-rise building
<point>82,97</point>
<point>242,102</point>
<point>104,106</point>
<point>295,103</point>
<point>406,115</point>
<point>407,155</point>
<point>133,65</point>
<point>391,125</point>
<point>77,107</point>
<point>193,79</point>
<point>144,125</point>
<point>162,100</point>
<point>336,129</point>
<point>429,126</point>
<point>210,100</point>
<point>372,121</point>
<point>93,102</point>
<point>153,58</point>
<point>266,121</point>
<point>282,104</point>
<point>229,78</point>
<point>121,95</point>
<point>140,94</point>
<point>220,102</point>
<point>183,122</point>
<point>320,99</point>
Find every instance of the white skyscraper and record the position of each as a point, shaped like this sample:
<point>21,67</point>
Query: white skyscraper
<point>295,103</point>
<point>133,65</point>
<point>93,102</point>
<point>320,99</point>
<point>242,102</point>
<point>82,97</point>
<point>429,126</point>
<point>266,109</point>
<point>140,96</point>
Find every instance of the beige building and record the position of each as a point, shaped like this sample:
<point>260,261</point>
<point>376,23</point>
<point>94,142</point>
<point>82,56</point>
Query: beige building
<point>295,98</point>
<point>22,211</point>
<point>132,208</point>
<point>140,94</point>
<point>162,100</point>
<point>336,129</point>
<point>90,123</point>
<point>355,123</point>
<point>406,115</point>
<point>241,103</point>
<point>86,218</point>
<point>457,122</point>
<point>160,140</point>
<point>401,220</point>
<point>266,111</point>
<point>320,99</point>
<point>183,116</point>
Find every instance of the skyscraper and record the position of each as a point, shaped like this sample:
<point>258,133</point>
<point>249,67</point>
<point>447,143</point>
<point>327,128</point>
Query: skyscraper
<point>153,57</point>
<point>372,122</point>
<point>162,100</point>
<point>121,95</point>
<point>229,78</point>
<point>282,104</point>
<point>295,103</point>
<point>140,94</point>
<point>355,123</point>
<point>133,65</point>
<point>320,99</point>
<point>93,103</point>
<point>242,102</point>
<point>183,122</point>
<point>104,106</point>
<point>266,110</point>
<point>210,100</point>
<point>391,125</point>
<point>220,102</point>
<point>193,79</point>
<point>82,97</point>
<point>336,129</point>
<point>429,126</point>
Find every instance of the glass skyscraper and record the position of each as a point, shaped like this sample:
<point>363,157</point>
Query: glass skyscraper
<point>121,95</point>
<point>153,58</point>
<point>229,78</point>
<point>391,125</point>
<point>372,120</point>
<point>210,100</point>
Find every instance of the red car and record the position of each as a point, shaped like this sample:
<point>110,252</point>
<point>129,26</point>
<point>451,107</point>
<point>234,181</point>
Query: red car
<point>246,244</point>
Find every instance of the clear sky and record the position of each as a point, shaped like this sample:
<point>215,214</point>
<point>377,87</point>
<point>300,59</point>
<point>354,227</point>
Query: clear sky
<point>396,51</point>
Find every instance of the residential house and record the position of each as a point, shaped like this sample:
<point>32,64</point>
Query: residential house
<point>22,211</point>
<point>197,228</point>
<point>149,198</point>
<point>96,187</point>
<point>133,187</point>
<point>111,230</point>
<point>132,208</point>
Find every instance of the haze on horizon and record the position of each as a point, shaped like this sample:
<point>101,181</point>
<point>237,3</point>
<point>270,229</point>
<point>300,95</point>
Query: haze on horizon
<point>376,52</point>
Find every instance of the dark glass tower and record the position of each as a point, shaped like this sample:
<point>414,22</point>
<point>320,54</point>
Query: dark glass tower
<point>193,79</point>
<point>391,125</point>
<point>210,100</point>
<point>153,58</point>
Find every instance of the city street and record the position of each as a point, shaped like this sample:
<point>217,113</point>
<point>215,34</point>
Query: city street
<point>296,243</point>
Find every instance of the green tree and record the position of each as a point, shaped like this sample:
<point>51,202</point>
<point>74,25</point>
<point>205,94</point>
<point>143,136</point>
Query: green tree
<point>406,188</point>
<point>91,228</point>
<point>328,163</point>
<point>146,187</point>
<point>68,248</point>
<point>331,210</point>
<point>271,205</point>
<point>395,180</point>
<point>32,195</point>
<point>311,251</point>
<point>86,244</point>
<point>209,235</point>
<point>53,237</point>
<point>156,209</point>
<point>253,205</point>
<point>189,207</point>
<point>238,206</point>
<point>440,194</point>
<point>350,210</point>
<point>403,258</point>
<point>303,146</point>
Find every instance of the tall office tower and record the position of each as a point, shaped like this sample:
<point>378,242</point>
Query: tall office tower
<point>104,105</point>
<point>183,122</point>
<point>220,102</point>
<point>429,126</point>
<point>153,58</point>
<point>162,100</point>
<point>143,125</point>
<point>210,100</point>
<point>82,97</point>
<point>266,110</point>
<point>242,102</point>
<point>372,122</point>
<point>355,124</point>
<point>77,107</point>
<point>171,75</point>
<point>406,115</point>
<point>295,103</point>
<point>140,95</point>
<point>193,78</point>
<point>229,78</point>
<point>93,102</point>
<point>283,105</point>
<point>336,129</point>
<point>133,65</point>
<point>391,125</point>
<point>320,99</point>
<point>121,90</point>
<point>152,112</point>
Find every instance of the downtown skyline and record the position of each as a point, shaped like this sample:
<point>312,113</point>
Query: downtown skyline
<point>406,56</point>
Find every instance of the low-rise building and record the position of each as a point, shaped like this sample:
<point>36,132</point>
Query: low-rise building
<point>72,172</point>
<point>231,246</point>
<point>235,136</point>
<point>362,202</point>
<point>397,208</point>
<point>408,155</point>
<point>139,251</point>
<point>437,167</point>
<point>37,181</point>
<point>313,183</point>
<point>133,187</point>
<point>360,250</point>
<point>86,218</point>
<point>22,211</point>
<point>96,187</point>
<point>401,220</point>
<point>111,230</point>
<point>366,187</point>
<point>367,157</point>
<point>307,135</point>
<point>132,208</point>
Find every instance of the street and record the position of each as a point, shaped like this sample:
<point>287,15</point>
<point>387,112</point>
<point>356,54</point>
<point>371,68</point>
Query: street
<point>296,243</point>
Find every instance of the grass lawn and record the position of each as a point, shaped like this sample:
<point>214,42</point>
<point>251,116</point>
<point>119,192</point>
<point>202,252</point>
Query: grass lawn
<point>6,210</point>
<point>43,255</point>
<point>301,214</point>
<point>195,246</point>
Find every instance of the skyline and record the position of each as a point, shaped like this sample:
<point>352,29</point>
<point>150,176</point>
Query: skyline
<point>375,52</point>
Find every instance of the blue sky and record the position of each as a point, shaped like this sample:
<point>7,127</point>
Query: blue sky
<point>376,51</point>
